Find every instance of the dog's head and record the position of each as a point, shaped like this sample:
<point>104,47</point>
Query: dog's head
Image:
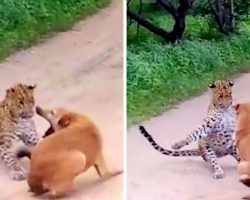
<point>64,117</point>
<point>242,108</point>
<point>243,116</point>
<point>58,118</point>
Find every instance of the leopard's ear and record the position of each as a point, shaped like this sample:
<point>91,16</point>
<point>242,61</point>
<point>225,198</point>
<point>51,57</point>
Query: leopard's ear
<point>212,85</point>
<point>231,83</point>
<point>10,91</point>
<point>32,87</point>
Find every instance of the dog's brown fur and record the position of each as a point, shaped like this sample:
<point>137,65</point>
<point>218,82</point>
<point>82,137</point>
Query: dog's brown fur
<point>72,149</point>
<point>243,141</point>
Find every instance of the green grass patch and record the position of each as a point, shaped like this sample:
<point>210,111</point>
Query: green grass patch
<point>23,22</point>
<point>160,75</point>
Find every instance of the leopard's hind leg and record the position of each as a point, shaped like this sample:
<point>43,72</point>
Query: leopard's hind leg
<point>209,156</point>
<point>11,162</point>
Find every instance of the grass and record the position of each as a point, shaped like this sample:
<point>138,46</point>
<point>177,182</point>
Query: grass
<point>25,22</point>
<point>160,75</point>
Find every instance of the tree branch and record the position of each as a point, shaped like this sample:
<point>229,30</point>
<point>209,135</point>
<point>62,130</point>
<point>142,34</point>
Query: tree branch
<point>179,15</point>
<point>148,25</point>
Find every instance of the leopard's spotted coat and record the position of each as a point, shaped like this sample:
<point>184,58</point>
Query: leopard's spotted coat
<point>216,135</point>
<point>16,124</point>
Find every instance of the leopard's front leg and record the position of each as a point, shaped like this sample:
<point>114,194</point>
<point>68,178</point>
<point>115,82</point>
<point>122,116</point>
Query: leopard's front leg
<point>27,132</point>
<point>211,158</point>
<point>30,139</point>
<point>16,172</point>
<point>201,132</point>
<point>194,136</point>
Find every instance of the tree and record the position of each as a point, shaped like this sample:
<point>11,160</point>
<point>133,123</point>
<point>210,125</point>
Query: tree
<point>226,15</point>
<point>179,14</point>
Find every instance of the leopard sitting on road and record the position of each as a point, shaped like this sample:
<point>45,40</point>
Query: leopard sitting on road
<point>216,135</point>
<point>16,124</point>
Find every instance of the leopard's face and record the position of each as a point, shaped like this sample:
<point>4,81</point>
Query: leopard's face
<point>222,93</point>
<point>21,99</point>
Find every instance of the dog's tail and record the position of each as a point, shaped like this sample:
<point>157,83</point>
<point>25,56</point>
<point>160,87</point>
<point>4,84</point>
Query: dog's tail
<point>244,171</point>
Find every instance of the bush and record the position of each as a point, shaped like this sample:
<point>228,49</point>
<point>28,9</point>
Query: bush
<point>201,7</point>
<point>242,7</point>
<point>23,22</point>
<point>161,74</point>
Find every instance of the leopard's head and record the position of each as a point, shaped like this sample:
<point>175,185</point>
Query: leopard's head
<point>20,98</point>
<point>222,93</point>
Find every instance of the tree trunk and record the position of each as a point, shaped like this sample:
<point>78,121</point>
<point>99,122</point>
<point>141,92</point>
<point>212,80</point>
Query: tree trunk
<point>216,8</point>
<point>232,15</point>
<point>224,15</point>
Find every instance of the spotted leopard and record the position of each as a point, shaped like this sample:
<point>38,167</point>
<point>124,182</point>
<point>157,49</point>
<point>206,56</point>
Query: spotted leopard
<point>216,135</point>
<point>16,124</point>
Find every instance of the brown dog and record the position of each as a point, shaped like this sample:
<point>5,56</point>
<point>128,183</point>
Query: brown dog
<point>73,148</point>
<point>243,141</point>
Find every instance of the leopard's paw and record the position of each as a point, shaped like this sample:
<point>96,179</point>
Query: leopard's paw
<point>219,174</point>
<point>179,145</point>
<point>18,175</point>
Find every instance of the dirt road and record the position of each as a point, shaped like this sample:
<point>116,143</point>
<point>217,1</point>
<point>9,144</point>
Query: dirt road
<point>152,176</point>
<point>80,69</point>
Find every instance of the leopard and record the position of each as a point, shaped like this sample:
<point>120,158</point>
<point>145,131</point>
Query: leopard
<point>215,136</point>
<point>17,125</point>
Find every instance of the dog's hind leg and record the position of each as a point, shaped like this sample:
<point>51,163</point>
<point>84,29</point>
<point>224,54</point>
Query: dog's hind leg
<point>69,165</point>
<point>61,188</point>
<point>102,169</point>
<point>35,185</point>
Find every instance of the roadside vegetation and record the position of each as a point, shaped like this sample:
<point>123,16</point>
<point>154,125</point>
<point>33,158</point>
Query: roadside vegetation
<point>161,73</point>
<point>24,22</point>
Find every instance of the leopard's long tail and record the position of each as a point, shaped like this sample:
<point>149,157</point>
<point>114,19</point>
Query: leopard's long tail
<point>244,171</point>
<point>193,152</point>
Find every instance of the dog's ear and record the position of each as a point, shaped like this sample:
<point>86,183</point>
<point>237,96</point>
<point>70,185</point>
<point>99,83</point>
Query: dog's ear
<point>65,120</point>
<point>237,108</point>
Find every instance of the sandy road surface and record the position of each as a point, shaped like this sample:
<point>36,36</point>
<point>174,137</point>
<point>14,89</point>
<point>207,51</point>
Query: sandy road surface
<point>152,176</point>
<point>82,70</point>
